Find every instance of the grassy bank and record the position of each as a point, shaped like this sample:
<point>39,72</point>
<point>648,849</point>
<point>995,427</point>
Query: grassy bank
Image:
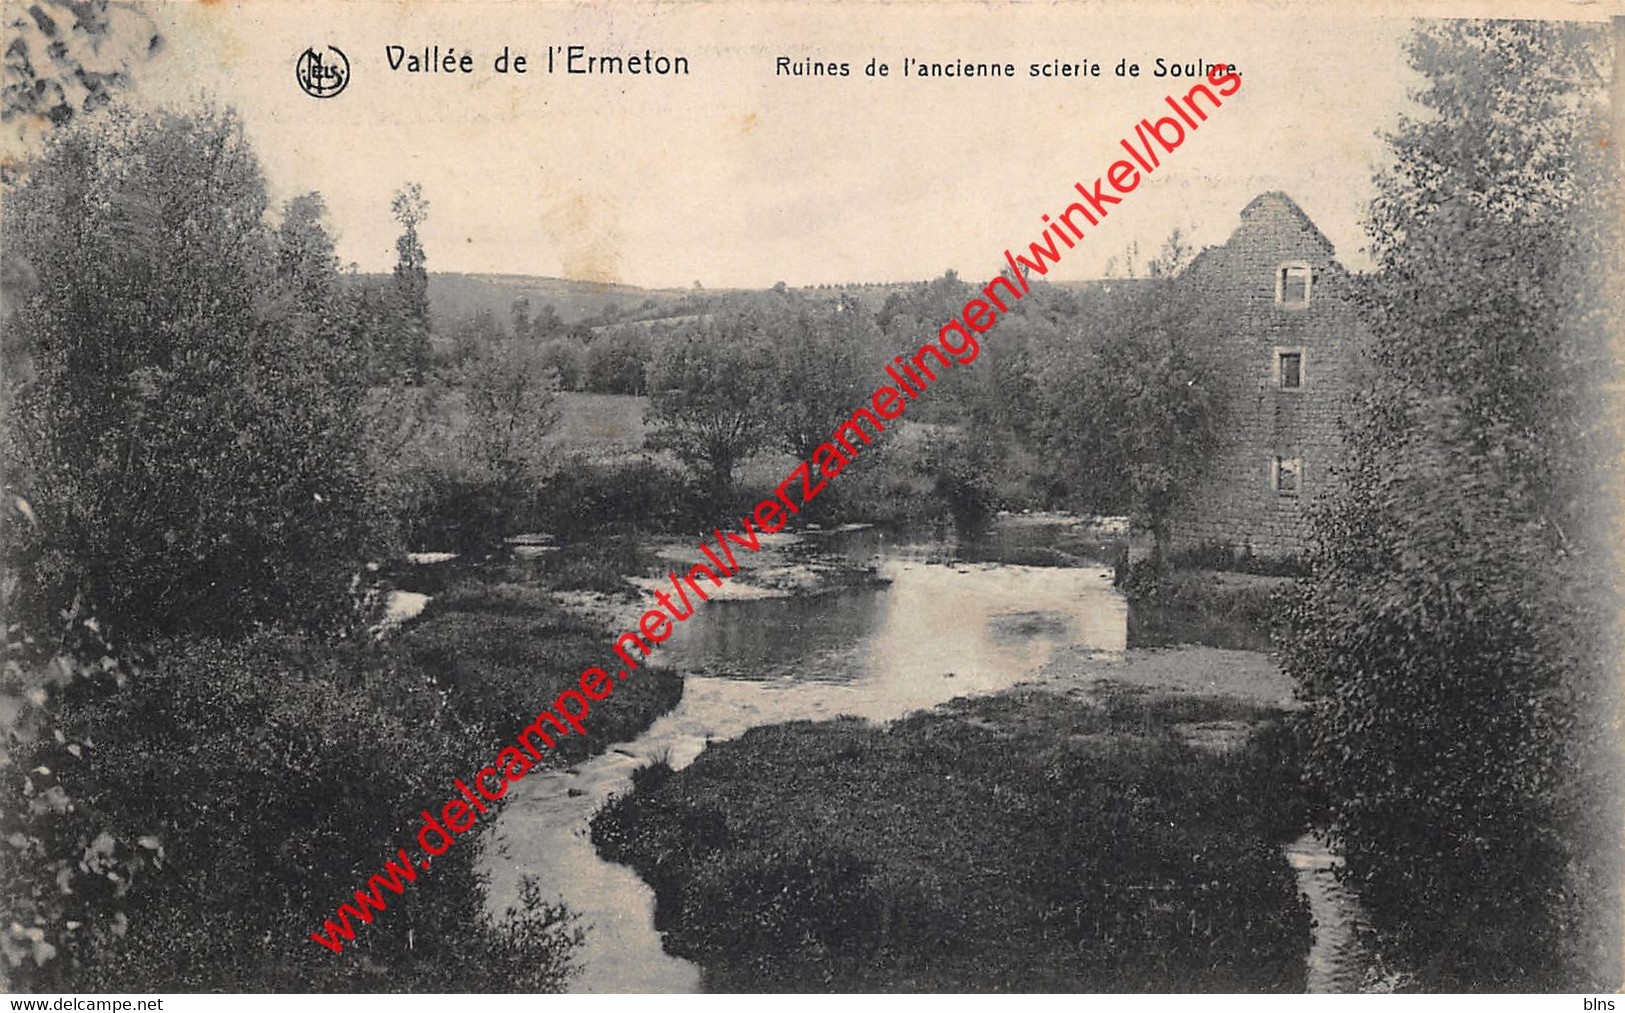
<point>1219,608</point>
<point>1025,841</point>
<point>495,639</point>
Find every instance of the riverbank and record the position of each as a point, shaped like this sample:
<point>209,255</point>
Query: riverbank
<point>506,633</point>
<point>1222,608</point>
<point>499,638</point>
<point>1091,834</point>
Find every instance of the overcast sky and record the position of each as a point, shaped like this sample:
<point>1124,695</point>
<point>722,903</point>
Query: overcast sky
<point>735,176</point>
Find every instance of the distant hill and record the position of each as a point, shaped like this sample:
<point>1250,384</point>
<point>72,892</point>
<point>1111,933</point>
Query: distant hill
<point>455,297</point>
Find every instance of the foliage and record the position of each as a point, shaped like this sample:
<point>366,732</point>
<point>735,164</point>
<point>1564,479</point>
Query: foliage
<point>566,357</point>
<point>827,358</point>
<point>509,392</point>
<point>403,344</point>
<point>1457,638</point>
<point>194,457</point>
<point>459,462</point>
<point>1130,411</point>
<point>519,313</point>
<point>615,361</point>
<point>445,504</point>
<point>969,475</point>
<point>583,495</point>
<point>887,484</point>
<point>1019,842</point>
<point>64,872</point>
<point>255,782</point>
<point>410,208</point>
<point>475,335</point>
<point>708,401</point>
<point>188,434</point>
<point>57,68</point>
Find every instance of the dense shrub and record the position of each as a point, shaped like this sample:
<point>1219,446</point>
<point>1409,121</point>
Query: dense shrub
<point>267,778</point>
<point>454,506</point>
<point>582,495</point>
<point>1453,679</point>
<point>886,484</point>
<point>187,434</point>
<point>1459,635</point>
<point>1018,842</point>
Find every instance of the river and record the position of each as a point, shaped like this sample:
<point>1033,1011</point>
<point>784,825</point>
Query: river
<point>952,621</point>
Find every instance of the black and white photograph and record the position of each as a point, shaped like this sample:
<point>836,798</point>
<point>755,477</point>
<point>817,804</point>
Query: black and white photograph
<point>518,497</point>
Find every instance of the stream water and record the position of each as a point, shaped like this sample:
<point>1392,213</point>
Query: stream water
<point>943,627</point>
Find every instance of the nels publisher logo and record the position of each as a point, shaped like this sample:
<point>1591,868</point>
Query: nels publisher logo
<point>323,73</point>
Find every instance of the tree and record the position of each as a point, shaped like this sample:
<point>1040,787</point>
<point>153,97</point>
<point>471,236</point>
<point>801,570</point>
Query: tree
<point>825,357</point>
<point>406,343</point>
<point>1129,408</point>
<point>510,392</point>
<point>566,357</point>
<point>707,392</point>
<point>411,275</point>
<point>182,457</point>
<point>520,313</point>
<point>1457,639</point>
<point>476,335</point>
<point>305,261</point>
<point>187,439</point>
<point>615,361</point>
<point>548,323</point>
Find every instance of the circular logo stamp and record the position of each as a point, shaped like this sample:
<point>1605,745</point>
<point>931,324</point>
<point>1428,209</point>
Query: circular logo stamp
<point>323,73</point>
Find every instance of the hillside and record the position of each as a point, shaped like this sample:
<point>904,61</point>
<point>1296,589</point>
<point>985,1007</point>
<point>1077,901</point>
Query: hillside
<point>454,297</point>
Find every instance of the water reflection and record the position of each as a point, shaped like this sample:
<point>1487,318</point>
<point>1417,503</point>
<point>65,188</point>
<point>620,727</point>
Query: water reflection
<point>819,638</point>
<point>944,627</point>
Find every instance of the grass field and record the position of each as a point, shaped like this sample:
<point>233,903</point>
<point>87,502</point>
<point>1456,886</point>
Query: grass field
<point>600,421</point>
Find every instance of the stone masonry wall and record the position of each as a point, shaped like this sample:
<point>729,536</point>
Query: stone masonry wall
<point>1236,504</point>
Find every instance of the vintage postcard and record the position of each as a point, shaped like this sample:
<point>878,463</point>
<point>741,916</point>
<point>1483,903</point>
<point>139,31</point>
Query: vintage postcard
<point>810,497</point>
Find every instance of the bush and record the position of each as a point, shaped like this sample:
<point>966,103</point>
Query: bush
<point>968,474</point>
<point>189,440</point>
<point>581,496</point>
<point>886,484</point>
<point>1459,681</point>
<point>450,506</point>
<point>269,778</point>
